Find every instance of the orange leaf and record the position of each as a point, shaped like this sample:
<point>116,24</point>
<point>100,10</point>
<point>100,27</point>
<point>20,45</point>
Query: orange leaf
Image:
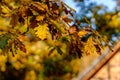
<point>82,33</point>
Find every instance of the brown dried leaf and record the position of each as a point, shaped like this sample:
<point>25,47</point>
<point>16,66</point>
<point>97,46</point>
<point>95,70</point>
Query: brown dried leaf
<point>72,30</point>
<point>14,20</point>
<point>33,24</point>
<point>22,48</point>
<point>19,45</point>
<point>98,49</point>
<point>22,11</point>
<point>66,19</point>
<point>77,21</point>
<point>29,12</point>
<point>55,8</point>
<point>39,7</point>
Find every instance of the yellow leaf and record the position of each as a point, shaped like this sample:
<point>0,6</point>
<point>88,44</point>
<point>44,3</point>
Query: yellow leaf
<point>39,18</point>
<point>89,47</point>
<point>41,31</point>
<point>5,9</point>
<point>82,33</point>
<point>31,73</point>
<point>115,22</point>
<point>108,16</point>
<point>23,28</point>
<point>114,17</point>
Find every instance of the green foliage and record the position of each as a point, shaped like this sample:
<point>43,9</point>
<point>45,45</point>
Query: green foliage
<point>3,41</point>
<point>56,67</point>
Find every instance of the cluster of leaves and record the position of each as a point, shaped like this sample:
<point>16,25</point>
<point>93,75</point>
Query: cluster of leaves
<point>10,44</point>
<point>45,20</point>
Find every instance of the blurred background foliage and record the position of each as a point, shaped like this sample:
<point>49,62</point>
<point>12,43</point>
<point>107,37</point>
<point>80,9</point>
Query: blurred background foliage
<point>54,58</point>
<point>105,21</point>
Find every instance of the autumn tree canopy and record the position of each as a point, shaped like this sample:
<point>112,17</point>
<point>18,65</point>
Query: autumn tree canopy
<point>45,20</point>
<point>43,39</point>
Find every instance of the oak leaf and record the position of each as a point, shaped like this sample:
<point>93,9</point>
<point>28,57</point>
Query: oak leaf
<point>89,47</point>
<point>41,31</point>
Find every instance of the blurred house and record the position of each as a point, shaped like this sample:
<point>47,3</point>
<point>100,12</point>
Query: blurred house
<point>104,67</point>
<point>118,5</point>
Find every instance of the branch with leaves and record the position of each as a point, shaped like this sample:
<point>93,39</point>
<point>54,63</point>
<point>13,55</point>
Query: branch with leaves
<point>45,20</point>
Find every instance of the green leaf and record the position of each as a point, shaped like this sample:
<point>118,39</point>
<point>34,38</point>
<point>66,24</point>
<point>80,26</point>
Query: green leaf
<point>59,50</point>
<point>3,41</point>
<point>57,25</point>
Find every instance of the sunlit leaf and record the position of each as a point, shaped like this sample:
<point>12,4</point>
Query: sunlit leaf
<point>5,10</point>
<point>115,22</point>
<point>89,46</point>
<point>72,30</point>
<point>12,49</point>
<point>82,33</point>
<point>92,46</point>
<point>23,28</point>
<point>42,31</point>
<point>40,18</point>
